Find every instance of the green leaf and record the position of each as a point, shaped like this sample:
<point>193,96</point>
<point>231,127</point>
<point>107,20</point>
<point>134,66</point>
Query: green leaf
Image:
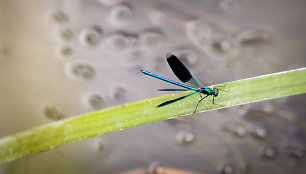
<point>143,112</point>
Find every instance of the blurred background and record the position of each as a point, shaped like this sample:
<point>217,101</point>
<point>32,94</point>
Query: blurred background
<point>59,59</point>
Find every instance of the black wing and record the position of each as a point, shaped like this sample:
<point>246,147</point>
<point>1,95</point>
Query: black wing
<point>181,72</point>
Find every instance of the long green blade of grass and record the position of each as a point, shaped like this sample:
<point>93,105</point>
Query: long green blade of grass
<point>143,112</point>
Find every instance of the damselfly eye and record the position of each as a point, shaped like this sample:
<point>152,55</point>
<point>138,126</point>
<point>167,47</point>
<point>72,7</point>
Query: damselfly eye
<point>216,92</point>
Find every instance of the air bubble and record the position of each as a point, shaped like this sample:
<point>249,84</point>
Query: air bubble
<point>53,112</point>
<point>118,93</point>
<point>59,17</point>
<point>117,41</point>
<point>93,100</point>
<point>151,40</point>
<point>199,33</point>
<point>91,36</point>
<point>80,71</point>
<point>185,137</point>
<point>120,14</point>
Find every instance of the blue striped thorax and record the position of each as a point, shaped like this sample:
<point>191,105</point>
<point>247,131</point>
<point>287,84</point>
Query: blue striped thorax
<point>210,91</point>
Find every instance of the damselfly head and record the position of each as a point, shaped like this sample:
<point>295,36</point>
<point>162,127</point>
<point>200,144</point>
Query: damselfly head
<point>216,92</point>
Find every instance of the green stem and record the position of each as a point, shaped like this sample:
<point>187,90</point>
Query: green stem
<point>143,112</point>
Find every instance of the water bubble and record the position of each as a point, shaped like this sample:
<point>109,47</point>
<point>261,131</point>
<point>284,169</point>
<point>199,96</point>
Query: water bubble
<point>3,169</point>
<point>243,167</point>
<point>135,55</point>
<point>67,34</point>
<point>242,109</point>
<point>226,169</point>
<point>221,43</point>
<point>240,131</point>
<point>65,51</point>
<point>185,137</point>
<point>295,149</point>
<point>295,130</point>
<point>259,110</point>
<point>198,32</point>
<point>260,132</point>
<point>59,16</point>
<point>134,68</point>
<point>120,14</point>
<point>4,51</point>
<point>99,145</point>
<point>91,36</point>
<point>268,153</point>
<point>151,40</point>
<point>253,37</point>
<point>80,70</point>
<point>155,168</point>
<point>234,128</point>
<point>118,93</point>
<point>111,2</point>
<point>93,100</point>
<point>117,41</point>
<point>256,115</point>
<point>156,17</point>
<point>187,56</point>
<point>228,4</point>
<point>226,127</point>
<point>158,63</point>
<point>53,112</point>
